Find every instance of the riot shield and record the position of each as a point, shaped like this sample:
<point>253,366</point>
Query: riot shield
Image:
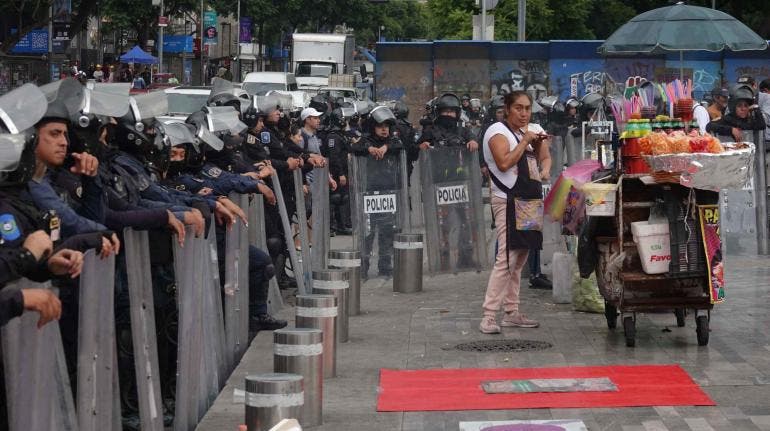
<point>39,396</point>
<point>258,238</point>
<point>237,287</point>
<point>319,191</point>
<point>136,246</point>
<point>378,208</point>
<point>224,357</point>
<point>96,344</point>
<point>302,288</point>
<point>453,208</point>
<point>305,268</point>
<point>189,271</point>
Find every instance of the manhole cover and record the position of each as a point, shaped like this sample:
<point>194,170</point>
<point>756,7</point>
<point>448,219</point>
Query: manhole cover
<point>503,346</point>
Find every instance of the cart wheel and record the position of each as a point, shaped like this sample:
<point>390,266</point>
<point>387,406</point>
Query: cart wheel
<point>680,313</point>
<point>629,329</point>
<point>611,313</point>
<point>702,329</point>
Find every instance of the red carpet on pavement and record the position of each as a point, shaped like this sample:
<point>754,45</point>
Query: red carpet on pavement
<point>460,389</point>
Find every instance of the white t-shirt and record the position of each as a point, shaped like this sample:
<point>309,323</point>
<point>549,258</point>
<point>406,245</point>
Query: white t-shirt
<point>510,176</point>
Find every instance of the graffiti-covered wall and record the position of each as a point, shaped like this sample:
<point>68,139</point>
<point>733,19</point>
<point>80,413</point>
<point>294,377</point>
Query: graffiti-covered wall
<point>417,72</point>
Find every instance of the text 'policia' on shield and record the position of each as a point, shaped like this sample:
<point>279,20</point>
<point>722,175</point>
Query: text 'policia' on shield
<point>452,195</point>
<point>379,204</point>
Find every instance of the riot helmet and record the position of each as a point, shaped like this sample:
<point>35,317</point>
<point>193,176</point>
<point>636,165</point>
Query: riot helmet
<point>590,103</point>
<point>222,94</point>
<point>378,116</point>
<point>449,101</point>
<point>20,109</point>
<point>204,131</point>
<point>401,110</point>
<point>65,99</point>
<point>320,103</point>
<point>336,119</point>
<point>182,135</point>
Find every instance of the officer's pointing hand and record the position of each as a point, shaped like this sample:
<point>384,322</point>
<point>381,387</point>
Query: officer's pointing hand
<point>85,164</point>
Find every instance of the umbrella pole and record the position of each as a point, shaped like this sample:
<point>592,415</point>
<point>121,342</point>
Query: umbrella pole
<point>681,66</point>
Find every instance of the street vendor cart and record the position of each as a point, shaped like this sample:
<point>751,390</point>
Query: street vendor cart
<point>660,250</point>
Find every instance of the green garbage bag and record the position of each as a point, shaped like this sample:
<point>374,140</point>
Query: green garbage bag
<point>585,294</point>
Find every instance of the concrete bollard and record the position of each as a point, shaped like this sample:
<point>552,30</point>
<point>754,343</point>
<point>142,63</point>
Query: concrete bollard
<point>300,351</point>
<point>562,278</point>
<point>320,312</point>
<point>407,268</point>
<point>349,260</point>
<point>335,282</point>
<point>271,398</point>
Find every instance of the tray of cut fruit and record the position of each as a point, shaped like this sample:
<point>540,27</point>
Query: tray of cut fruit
<point>698,161</point>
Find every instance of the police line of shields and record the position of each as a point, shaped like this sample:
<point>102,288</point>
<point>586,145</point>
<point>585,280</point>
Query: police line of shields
<point>379,208</point>
<point>453,210</point>
<point>320,222</point>
<point>258,238</point>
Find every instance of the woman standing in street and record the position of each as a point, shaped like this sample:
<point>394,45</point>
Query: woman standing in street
<point>518,157</point>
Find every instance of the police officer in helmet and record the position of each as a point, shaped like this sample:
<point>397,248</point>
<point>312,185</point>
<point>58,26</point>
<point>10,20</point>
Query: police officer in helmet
<point>446,130</point>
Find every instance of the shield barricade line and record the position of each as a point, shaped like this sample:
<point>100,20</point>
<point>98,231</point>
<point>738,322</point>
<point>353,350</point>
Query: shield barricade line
<point>258,238</point>
<point>39,396</point>
<point>136,246</point>
<point>379,208</point>
<point>189,355</point>
<point>453,208</point>
<point>305,268</point>
<point>417,219</point>
<point>319,191</point>
<point>96,344</point>
<point>224,358</point>
<point>302,288</point>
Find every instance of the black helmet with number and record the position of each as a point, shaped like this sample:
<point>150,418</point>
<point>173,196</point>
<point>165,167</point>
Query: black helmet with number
<point>449,101</point>
<point>336,119</point>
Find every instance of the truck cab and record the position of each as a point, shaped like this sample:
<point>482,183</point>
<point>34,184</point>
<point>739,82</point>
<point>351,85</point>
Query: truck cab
<point>316,56</point>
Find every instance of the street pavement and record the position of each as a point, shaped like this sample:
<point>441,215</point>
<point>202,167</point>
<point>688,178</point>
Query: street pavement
<point>418,331</point>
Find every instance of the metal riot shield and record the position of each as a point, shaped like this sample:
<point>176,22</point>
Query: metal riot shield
<point>739,208</point>
<point>378,208</point>
<point>319,191</point>
<point>136,246</point>
<point>302,287</point>
<point>189,273</point>
<point>39,396</point>
<point>237,286</point>
<point>224,357</point>
<point>305,269</point>
<point>453,208</point>
<point>258,238</point>
<point>96,344</point>
<point>211,319</point>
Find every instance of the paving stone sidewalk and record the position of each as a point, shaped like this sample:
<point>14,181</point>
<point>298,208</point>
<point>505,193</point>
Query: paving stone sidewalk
<point>417,331</point>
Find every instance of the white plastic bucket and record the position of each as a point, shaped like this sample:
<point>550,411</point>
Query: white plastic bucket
<point>654,244</point>
<point>600,199</point>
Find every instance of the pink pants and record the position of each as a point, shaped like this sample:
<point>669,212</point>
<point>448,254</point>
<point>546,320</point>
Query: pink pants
<point>505,279</point>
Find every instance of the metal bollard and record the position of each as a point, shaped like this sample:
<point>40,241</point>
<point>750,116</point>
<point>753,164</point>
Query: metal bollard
<point>407,267</point>
<point>335,282</point>
<point>320,312</point>
<point>300,351</point>
<point>349,260</point>
<point>271,398</point>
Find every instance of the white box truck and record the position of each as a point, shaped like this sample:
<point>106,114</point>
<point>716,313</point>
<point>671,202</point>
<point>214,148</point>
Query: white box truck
<point>315,56</point>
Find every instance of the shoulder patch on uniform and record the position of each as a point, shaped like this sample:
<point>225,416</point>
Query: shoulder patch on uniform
<point>214,172</point>
<point>330,143</point>
<point>180,187</point>
<point>9,229</point>
<point>251,139</point>
<point>264,137</point>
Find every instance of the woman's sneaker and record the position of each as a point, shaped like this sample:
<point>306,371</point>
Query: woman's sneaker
<point>488,325</point>
<point>518,320</point>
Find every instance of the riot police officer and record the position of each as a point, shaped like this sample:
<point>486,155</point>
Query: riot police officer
<point>446,130</point>
<point>336,147</point>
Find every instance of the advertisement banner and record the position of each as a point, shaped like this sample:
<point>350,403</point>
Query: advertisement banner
<point>245,33</point>
<point>34,42</point>
<point>712,245</point>
<point>210,28</point>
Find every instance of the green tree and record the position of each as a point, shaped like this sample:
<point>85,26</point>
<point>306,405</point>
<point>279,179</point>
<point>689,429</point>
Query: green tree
<point>32,14</point>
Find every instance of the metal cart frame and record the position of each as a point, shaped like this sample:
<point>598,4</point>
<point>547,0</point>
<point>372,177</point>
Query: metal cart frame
<point>627,289</point>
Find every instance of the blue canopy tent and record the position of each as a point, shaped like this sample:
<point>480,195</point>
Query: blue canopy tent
<point>137,55</point>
